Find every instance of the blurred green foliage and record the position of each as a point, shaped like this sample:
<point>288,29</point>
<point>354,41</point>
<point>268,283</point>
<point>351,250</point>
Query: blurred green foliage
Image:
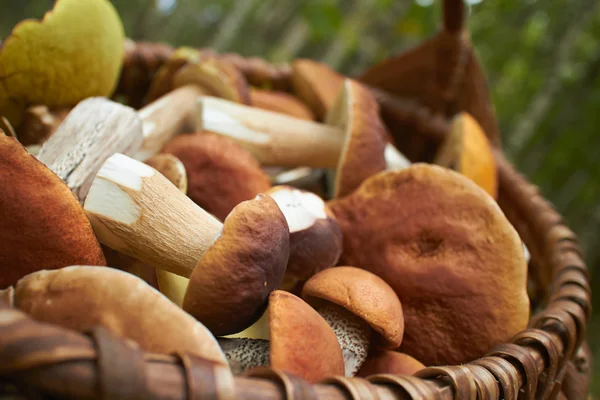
<point>542,59</point>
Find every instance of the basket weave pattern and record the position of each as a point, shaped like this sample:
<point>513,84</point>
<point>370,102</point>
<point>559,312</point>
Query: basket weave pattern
<point>536,364</point>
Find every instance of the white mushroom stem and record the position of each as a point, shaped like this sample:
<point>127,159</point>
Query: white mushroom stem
<point>279,139</point>
<point>352,332</point>
<point>137,211</point>
<point>244,353</point>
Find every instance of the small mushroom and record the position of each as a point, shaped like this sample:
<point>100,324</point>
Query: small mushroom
<point>360,307</point>
<point>232,266</point>
<point>467,150</point>
<point>445,247</point>
<point>353,140</point>
<point>82,297</point>
<point>315,237</point>
<point>221,174</point>
<point>280,102</point>
<point>317,85</point>
<point>43,225</point>
<point>301,342</point>
<point>389,362</point>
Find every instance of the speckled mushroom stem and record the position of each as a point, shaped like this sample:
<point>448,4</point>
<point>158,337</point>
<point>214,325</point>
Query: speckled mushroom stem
<point>245,353</point>
<point>352,332</point>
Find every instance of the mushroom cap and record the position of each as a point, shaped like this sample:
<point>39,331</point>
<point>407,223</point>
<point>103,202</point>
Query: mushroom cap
<point>229,288</point>
<point>302,343</point>
<point>280,102</point>
<point>468,149</point>
<point>43,224</point>
<point>356,112</point>
<point>363,294</point>
<point>219,76</point>
<point>221,174</point>
<point>316,84</point>
<point>162,82</point>
<point>315,237</point>
<point>389,362</point>
<point>445,247</point>
<point>172,168</point>
<point>38,58</point>
<point>82,297</point>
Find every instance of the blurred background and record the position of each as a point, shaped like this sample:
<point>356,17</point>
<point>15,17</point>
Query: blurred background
<point>542,59</point>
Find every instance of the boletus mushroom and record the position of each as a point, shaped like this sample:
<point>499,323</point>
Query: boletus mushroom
<point>467,150</point>
<point>232,266</point>
<point>352,141</point>
<point>221,174</point>
<point>445,247</point>
<point>360,307</point>
<point>316,84</point>
<point>315,237</point>
<point>389,362</point>
<point>280,102</point>
<point>300,342</point>
<point>43,225</point>
<point>82,297</point>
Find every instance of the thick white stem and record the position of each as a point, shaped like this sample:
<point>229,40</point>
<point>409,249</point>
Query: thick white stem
<point>353,335</point>
<point>244,353</point>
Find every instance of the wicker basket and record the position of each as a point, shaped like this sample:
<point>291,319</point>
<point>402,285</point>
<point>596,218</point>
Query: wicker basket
<point>549,360</point>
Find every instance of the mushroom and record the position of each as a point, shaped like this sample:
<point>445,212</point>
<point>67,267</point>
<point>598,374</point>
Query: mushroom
<point>445,247</point>
<point>360,307</point>
<point>315,237</point>
<point>352,140</point>
<point>221,174</point>
<point>317,85</point>
<point>38,60</point>
<point>82,297</point>
<point>301,342</point>
<point>7,296</point>
<point>39,123</point>
<point>43,225</point>
<point>389,362</point>
<point>232,266</point>
<point>280,102</point>
<point>467,150</point>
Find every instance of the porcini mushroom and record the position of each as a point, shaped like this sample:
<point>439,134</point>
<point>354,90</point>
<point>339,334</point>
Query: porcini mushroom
<point>43,225</point>
<point>360,307</point>
<point>232,266</point>
<point>39,123</point>
<point>352,140</point>
<point>300,342</point>
<point>221,174</point>
<point>317,84</point>
<point>445,247</point>
<point>82,297</point>
<point>315,237</point>
<point>467,150</point>
<point>389,362</point>
<point>280,102</point>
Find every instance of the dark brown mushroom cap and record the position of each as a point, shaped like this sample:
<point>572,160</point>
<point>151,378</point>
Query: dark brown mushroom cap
<point>363,294</point>
<point>445,247</point>
<point>302,343</point>
<point>221,174</point>
<point>43,225</point>
<point>315,237</point>
<point>356,112</point>
<point>389,362</point>
<point>230,286</point>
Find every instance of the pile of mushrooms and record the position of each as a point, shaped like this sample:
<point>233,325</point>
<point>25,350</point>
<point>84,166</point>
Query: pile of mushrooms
<point>202,222</point>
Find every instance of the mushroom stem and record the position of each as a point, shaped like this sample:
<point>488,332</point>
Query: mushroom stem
<point>244,353</point>
<point>352,332</point>
<point>137,211</point>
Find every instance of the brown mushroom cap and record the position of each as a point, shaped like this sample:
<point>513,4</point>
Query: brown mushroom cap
<point>162,82</point>
<point>389,362</point>
<point>43,224</point>
<point>363,154</point>
<point>315,237</point>
<point>364,295</point>
<point>82,297</point>
<point>221,174</point>
<point>445,247</point>
<point>316,84</point>
<point>280,102</point>
<point>302,343</point>
<point>230,286</point>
